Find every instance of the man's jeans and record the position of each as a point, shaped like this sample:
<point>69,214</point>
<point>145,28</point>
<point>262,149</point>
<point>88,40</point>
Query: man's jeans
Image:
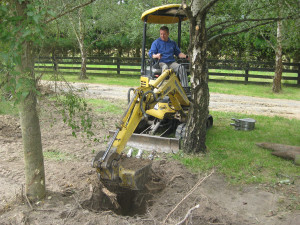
<point>178,69</point>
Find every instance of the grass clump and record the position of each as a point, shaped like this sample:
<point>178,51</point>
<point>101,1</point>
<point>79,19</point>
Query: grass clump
<point>56,155</point>
<point>7,108</point>
<point>103,106</point>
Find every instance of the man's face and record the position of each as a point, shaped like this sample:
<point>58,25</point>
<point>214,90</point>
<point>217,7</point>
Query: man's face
<point>164,35</point>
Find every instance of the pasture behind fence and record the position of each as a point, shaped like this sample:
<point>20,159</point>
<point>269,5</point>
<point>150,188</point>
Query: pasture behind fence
<point>244,72</point>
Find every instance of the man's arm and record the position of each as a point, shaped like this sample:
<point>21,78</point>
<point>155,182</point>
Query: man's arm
<point>153,52</point>
<point>178,53</point>
<point>183,56</point>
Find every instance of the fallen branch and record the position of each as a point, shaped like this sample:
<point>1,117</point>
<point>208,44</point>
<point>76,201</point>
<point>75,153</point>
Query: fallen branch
<point>188,214</point>
<point>28,201</point>
<point>188,194</point>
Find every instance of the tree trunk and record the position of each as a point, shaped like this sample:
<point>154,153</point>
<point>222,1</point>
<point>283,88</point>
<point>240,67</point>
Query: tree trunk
<point>137,52</point>
<point>80,37</point>
<point>32,146</point>
<point>198,113</point>
<point>83,75</point>
<point>120,52</point>
<point>278,64</point>
<point>31,134</point>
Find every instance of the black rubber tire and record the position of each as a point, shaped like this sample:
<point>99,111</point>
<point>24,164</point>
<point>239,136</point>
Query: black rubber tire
<point>180,131</point>
<point>141,126</point>
<point>209,122</point>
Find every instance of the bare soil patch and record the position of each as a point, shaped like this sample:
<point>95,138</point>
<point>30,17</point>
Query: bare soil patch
<point>73,186</point>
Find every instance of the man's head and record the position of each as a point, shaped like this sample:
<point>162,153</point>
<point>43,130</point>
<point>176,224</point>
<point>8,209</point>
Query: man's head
<point>164,33</point>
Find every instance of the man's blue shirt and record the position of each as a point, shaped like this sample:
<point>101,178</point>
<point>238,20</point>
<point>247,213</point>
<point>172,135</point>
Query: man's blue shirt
<point>167,48</point>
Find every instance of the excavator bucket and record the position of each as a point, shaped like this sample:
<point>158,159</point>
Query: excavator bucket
<point>153,143</point>
<point>134,173</point>
<point>127,172</point>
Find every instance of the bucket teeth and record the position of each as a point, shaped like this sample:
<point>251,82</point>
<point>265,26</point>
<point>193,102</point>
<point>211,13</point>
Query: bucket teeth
<point>151,156</point>
<point>139,155</point>
<point>129,153</point>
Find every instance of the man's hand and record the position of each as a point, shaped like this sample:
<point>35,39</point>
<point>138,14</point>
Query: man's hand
<point>157,56</point>
<point>183,56</point>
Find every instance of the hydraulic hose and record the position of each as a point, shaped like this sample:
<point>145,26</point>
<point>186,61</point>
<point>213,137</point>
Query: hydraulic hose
<point>142,100</point>
<point>128,94</point>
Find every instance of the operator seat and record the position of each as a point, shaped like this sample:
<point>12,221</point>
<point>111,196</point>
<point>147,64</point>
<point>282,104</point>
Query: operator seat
<point>155,69</point>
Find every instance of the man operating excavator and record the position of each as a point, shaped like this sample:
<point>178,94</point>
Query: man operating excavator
<point>164,50</point>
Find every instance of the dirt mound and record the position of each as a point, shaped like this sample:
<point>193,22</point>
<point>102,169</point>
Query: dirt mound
<point>82,202</point>
<point>169,203</point>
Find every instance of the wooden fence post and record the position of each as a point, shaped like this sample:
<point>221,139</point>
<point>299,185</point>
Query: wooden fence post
<point>54,61</point>
<point>118,65</point>
<point>298,80</point>
<point>247,73</point>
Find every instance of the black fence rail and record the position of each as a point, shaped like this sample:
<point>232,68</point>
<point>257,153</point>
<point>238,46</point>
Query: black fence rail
<point>252,72</point>
<point>244,72</point>
<point>95,65</point>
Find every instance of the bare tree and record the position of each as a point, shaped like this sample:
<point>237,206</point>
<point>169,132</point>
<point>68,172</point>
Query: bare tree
<point>80,35</point>
<point>24,61</point>
<point>278,60</point>
<point>200,35</point>
<point>196,125</point>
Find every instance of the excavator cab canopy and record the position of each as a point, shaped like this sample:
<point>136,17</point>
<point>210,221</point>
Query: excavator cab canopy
<point>165,14</point>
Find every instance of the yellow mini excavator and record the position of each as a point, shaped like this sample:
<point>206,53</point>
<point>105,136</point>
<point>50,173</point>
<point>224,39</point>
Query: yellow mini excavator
<point>159,105</point>
<point>146,102</point>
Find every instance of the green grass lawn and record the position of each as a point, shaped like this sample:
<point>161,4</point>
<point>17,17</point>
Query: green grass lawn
<point>235,154</point>
<point>99,79</point>
<point>264,91</point>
